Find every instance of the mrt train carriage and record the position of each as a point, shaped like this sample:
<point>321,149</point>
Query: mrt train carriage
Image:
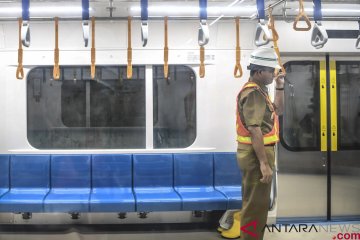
<point>105,144</point>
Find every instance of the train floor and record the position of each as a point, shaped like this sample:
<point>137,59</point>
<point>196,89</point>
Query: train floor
<point>320,231</point>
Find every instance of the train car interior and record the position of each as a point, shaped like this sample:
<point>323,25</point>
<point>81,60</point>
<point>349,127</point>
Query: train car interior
<point>118,117</point>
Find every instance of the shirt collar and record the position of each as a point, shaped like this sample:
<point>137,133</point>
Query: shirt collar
<point>262,86</point>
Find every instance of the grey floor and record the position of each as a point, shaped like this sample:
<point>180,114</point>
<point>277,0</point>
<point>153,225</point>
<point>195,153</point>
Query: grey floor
<point>192,234</point>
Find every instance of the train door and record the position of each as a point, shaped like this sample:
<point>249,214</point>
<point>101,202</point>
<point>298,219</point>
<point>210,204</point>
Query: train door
<point>302,161</point>
<point>318,167</point>
<point>345,138</point>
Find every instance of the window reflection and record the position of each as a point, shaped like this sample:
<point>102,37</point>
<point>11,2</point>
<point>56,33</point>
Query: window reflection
<point>77,112</point>
<point>348,79</point>
<point>300,127</point>
<point>174,107</point>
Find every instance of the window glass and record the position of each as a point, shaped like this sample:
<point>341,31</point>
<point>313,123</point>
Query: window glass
<point>301,118</point>
<point>348,79</point>
<point>77,112</point>
<point>174,107</point>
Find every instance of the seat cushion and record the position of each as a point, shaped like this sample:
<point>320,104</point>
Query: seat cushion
<point>67,201</point>
<point>112,200</point>
<point>3,191</point>
<point>160,199</point>
<point>25,201</point>
<point>233,194</point>
<point>202,199</point>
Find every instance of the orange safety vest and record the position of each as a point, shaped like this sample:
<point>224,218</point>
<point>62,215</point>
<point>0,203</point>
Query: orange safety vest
<point>243,135</point>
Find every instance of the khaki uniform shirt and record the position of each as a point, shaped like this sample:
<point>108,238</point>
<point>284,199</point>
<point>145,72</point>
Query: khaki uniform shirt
<point>254,111</point>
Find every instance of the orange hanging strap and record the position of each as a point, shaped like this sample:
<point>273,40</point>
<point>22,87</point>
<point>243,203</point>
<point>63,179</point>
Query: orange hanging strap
<point>202,64</point>
<point>275,39</point>
<point>56,71</point>
<point>238,70</point>
<point>276,48</point>
<point>129,51</point>
<point>301,17</point>
<point>166,49</point>
<point>20,69</point>
<point>271,26</point>
<point>93,57</point>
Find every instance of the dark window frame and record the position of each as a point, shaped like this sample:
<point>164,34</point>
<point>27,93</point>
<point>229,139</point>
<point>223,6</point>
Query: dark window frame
<point>47,69</point>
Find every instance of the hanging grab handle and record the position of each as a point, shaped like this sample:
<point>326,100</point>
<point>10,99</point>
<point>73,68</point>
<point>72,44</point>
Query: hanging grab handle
<point>144,22</point>
<point>301,17</point>
<point>129,52</point>
<point>262,28</point>
<point>85,21</point>
<point>25,26</point>
<point>166,49</point>
<point>56,70</point>
<point>20,69</point>
<point>93,57</point>
<point>357,45</point>
<point>204,32</point>
<point>238,70</point>
<point>319,36</point>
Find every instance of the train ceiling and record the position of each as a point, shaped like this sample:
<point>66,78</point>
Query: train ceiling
<point>11,9</point>
<point>225,1</point>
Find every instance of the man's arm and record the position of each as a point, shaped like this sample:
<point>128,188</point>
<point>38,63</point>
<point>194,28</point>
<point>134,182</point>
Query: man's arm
<point>258,145</point>
<point>279,94</point>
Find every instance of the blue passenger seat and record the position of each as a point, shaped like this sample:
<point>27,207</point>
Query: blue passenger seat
<point>29,184</point>
<point>70,184</point>
<point>4,174</point>
<point>112,184</point>
<point>228,178</point>
<point>154,184</point>
<point>194,181</point>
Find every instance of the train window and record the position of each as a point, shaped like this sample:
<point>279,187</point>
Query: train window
<point>301,119</point>
<point>348,79</point>
<point>174,107</point>
<point>76,112</point>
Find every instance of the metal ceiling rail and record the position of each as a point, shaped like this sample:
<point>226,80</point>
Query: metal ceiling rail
<point>343,17</point>
<point>112,19</point>
<point>274,4</point>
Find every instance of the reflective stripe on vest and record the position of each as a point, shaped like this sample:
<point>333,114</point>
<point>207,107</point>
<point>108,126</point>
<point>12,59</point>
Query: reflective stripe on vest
<point>243,135</point>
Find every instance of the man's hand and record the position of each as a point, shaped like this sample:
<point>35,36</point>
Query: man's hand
<point>279,79</point>
<point>266,173</point>
<point>258,145</point>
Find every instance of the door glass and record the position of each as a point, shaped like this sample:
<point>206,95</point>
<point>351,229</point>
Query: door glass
<point>301,119</point>
<point>348,78</point>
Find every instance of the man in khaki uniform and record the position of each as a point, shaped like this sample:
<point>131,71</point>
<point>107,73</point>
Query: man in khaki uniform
<point>257,129</point>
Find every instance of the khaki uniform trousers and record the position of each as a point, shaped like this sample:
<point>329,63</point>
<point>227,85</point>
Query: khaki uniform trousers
<point>255,194</point>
